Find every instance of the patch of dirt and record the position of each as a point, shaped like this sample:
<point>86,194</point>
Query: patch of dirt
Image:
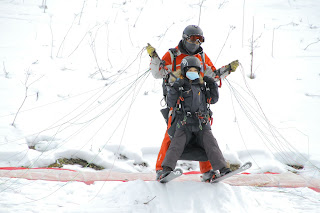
<point>74,161</point>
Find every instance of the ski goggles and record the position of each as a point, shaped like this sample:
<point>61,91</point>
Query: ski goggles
<point>194,38</point>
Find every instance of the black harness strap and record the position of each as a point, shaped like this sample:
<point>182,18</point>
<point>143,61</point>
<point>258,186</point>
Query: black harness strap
<point>165,82</point>
<point>174,52</point>
<point>203,61</point>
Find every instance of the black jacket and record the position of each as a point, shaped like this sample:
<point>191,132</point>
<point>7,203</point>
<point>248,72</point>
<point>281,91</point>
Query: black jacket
<point>193,97</point>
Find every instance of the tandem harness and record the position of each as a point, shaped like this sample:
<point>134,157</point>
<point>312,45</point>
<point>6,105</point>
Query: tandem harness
<point>180,116</point>
<point>199,115</point>
<point>165,84</point>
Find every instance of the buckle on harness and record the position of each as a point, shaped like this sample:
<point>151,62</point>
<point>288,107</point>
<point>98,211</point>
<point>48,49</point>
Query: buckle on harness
<point>197,114</point>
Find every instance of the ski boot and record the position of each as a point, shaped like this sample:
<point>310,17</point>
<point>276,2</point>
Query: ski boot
<point>211,174</point>
<point>162,173</point>
<point>224,171</point>
<point>208,176</point>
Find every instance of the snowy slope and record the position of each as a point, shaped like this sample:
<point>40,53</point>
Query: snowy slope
<point>74,83</point>
<point>139,196</point>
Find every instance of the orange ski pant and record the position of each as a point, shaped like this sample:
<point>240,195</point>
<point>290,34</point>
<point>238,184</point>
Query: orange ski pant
<point>204,165</point>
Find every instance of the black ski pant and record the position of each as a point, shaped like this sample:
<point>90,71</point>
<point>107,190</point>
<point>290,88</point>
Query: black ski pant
<point>206,140</point>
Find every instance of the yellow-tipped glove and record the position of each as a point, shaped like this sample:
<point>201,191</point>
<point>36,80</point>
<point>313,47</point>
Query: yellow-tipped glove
<point>234,65</point>
<point>151,51</point>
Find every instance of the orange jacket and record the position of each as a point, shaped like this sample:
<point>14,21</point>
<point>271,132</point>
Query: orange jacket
<point>168,59</point>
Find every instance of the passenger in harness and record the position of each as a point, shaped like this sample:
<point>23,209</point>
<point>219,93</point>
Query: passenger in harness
<point>189,96</point>
<point>189,45</point>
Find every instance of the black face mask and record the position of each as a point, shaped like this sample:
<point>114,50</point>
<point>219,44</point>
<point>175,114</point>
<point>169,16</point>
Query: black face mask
<point>191,48</point>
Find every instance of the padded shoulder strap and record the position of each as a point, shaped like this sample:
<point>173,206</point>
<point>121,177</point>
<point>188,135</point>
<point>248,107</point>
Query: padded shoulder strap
<point>174,52</point>
<point>203,58</point>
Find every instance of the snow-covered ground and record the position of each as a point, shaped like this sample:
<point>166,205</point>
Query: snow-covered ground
<point>74,83</point>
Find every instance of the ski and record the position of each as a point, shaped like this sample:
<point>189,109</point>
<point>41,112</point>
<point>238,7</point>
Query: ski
<point>241,169</point>
<point>173,174</point>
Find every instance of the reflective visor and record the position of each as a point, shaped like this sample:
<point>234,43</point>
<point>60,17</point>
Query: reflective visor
<point>194,38</point>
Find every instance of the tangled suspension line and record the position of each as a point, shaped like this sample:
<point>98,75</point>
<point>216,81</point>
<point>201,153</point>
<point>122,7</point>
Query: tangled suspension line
<point>268,133</point>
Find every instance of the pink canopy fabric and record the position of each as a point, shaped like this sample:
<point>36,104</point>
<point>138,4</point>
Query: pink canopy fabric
<point>287,180</point>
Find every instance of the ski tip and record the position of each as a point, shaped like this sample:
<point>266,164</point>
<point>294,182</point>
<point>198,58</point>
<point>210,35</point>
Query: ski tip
<point>247,165</point>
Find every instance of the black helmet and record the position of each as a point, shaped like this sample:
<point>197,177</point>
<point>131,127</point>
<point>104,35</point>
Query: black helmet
<point>190,61</point>
<point>192,30</point>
